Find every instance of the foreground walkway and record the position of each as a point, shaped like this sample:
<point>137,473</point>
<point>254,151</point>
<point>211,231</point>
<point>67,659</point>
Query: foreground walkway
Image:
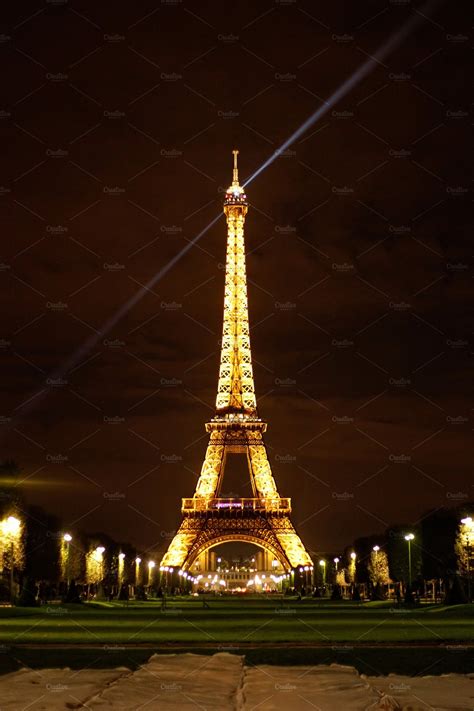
<point>222,682</point>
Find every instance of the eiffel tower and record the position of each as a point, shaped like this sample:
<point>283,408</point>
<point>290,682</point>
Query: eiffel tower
<point>208,518</point>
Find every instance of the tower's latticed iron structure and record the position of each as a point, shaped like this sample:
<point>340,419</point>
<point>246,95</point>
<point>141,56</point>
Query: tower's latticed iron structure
<point>209,519</point>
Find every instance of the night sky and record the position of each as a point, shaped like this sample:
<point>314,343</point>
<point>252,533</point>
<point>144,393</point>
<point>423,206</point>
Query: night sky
<point>118,122</point>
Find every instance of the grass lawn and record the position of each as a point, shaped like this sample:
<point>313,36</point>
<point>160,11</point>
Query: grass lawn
<point>266,630</point>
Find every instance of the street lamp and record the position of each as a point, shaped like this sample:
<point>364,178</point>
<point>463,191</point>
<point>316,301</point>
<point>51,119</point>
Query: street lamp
<point>322,563</point>
<point>138,560</point>
<point>11,527</point>
<point>121,566</point>
<point>375,571</point>
<point>352,567</point>
<point>151,565</point>
<point>99,556</point>
<point>409,537</point>
<point>306,569</point>
<point>137,569</point>
<point>468,524</point>
<point>67,538</point>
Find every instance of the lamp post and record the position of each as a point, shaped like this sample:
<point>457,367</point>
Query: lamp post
<point>121,567</point>
<point>322,563</point>
<point>468,524</point>
<point>99,556</point>
<point>67,538</point>
<point>12,527</point>
<point>95,571</point>
<point>352,567</point>
<point>137,571</point>
<point>409,537</point>
<point>376,557</point>
<point>151,565</point>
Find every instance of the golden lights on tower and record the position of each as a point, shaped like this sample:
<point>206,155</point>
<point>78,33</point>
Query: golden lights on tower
<point>236,426</point>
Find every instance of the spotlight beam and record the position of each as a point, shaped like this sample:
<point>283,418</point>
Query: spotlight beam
<point>392,42</point>
<point>92,341</point>
<point>383,51</point>
<point>123,310</point>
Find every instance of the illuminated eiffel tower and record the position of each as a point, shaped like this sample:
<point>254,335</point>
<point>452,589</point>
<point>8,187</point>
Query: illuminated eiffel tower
<point>208,519</point>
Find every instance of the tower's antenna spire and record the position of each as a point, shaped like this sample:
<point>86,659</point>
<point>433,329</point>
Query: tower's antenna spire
<point>235,177</point>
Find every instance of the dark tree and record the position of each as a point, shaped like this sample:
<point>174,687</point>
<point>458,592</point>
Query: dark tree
<point>455,594</point>
<point>42,545</point>
<point>439,535</point>
<point>72,593</point>
<point>29,591</point>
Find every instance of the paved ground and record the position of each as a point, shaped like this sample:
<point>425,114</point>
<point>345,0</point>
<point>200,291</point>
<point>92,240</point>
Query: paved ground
<point>222,682</point>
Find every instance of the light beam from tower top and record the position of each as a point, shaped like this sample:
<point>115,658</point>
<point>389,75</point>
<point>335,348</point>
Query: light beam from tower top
<point>82,351</point>
<point>395,39</point>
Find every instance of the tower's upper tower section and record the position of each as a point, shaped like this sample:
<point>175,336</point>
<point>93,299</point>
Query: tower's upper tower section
<point>235,391</point>
<point>235,202</point>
